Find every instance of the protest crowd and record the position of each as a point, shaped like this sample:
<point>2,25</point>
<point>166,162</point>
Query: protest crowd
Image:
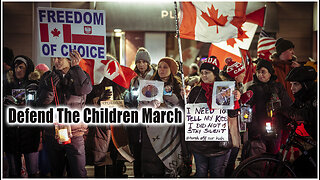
<point>280,89</point>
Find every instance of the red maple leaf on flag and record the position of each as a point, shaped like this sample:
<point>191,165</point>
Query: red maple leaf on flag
<point>231,42</point>
<point>241,35</point>
<point>213,19</point>
<point>112,66</point>
<point>55,32</point>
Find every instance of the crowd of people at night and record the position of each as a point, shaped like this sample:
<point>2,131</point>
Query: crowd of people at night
<point>285,86</point>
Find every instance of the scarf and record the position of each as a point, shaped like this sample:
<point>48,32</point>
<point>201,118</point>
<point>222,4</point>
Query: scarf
<point>208,88</point>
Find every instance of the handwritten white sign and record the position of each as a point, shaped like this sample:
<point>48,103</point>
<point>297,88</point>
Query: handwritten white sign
<point>203,124</point>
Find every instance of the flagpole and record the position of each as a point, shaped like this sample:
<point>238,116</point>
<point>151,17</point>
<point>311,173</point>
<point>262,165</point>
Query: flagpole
<point>180,52</point>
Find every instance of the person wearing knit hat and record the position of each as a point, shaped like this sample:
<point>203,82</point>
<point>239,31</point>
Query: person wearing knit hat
<point>143,67</point>
<point>39,70</point>
<point>268,95</point>
<point>235,70</point>
<point>42,67</point>
<point>143,54</point>
<point>211,64</point>
<point>172,64</point>
<point>283,61</point>
<point>153,165</point>
<point>283,45</point>
<point>269,74</point>
<point>142,60</point>
<point>207,151</point>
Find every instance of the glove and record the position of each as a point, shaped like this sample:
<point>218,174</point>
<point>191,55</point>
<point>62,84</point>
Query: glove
<point>245,97</point>
<point>173,99</point>
<point>53,78</point>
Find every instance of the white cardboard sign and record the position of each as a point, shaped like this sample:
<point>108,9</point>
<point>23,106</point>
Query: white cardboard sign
<point>62,30</point>
<point>203,124</point>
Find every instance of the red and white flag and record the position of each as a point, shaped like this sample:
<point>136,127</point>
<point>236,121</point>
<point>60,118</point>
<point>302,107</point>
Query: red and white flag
<point>247,61</point>
<point>211,21</point>
<point>231,47</point>
<point>223,50</point>
<point>266,46</point>
<point>111,69</point>
<point>249,28</point>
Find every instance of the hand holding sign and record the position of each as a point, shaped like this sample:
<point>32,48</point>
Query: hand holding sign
<point>236,94</point>
<point>75,58</point>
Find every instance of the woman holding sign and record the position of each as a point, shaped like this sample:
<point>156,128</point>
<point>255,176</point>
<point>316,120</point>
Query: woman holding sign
<point>161,145</point>
<point>209,155</point>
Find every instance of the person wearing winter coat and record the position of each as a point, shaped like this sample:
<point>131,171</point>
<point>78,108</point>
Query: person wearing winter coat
<point>161,145</point>
<point>67,84</point>
<point>283,60</point>
<point>268,97</point>
<point>210,156</point>
<point>144,72</point>
<point>234,71</point>
<point>304,89</point>
<point>20,140</point>
<point>304,109</point>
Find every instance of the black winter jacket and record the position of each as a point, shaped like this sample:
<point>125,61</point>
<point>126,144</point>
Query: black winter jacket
<point>20,139</point>
<point>305,109</point>
<point>262,93</point>
<point>72,89</point>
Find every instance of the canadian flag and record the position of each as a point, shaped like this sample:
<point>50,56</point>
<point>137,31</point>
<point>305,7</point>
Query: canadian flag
<point>211,21</point>
<point>110,68</point>
<point>223,50</point>
<point>231,47</point>
<point>61,33</point>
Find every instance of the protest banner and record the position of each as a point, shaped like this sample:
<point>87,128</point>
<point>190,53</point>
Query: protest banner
<point>62,30</point>
<point>203,124</point>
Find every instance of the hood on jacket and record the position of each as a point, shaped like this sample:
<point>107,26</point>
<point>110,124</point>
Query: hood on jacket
<point>27,61</point>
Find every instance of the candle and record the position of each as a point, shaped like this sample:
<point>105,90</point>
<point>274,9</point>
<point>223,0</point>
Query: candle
<point>63,135</point>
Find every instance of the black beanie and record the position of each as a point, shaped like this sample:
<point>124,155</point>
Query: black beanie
<point>266,64</point>
<point>283,45</point>
<point>8,56</point>
<point>143,54</point>
<point>211,64</point>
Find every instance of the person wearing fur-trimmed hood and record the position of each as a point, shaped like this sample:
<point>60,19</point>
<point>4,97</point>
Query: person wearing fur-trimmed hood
<point>20,140</point>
